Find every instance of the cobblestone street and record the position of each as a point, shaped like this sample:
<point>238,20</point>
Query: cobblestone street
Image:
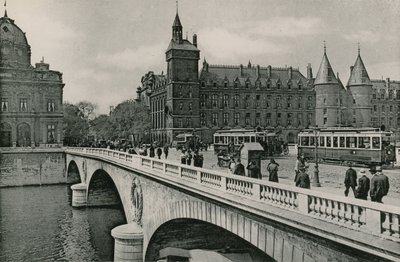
<point>331,176</point>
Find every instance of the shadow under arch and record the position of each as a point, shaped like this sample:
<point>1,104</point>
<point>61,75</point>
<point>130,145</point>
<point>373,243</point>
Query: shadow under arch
<point>73,175</point>
<point>102,190</point>
<point>188,233</point>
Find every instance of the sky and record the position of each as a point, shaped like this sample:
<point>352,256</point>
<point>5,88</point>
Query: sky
<point>104,47</point>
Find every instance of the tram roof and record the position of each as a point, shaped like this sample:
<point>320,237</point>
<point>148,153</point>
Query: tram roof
<point>349,130</point>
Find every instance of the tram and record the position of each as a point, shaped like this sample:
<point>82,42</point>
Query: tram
<point>344,145</point>
<point>229,141</point>
<point>185,140</point>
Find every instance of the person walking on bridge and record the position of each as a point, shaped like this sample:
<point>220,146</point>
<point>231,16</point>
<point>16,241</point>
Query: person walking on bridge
<point>300,161</point>
<point>350,180</point>
<point>303,180</point>
<point>272,168</point>
<point>363,186</point>
<point>379,185</point>
<point>239,168</point>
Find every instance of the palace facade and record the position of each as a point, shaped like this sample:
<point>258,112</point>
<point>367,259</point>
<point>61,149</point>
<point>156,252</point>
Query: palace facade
<point>31,112</point>
<point>260,97</point>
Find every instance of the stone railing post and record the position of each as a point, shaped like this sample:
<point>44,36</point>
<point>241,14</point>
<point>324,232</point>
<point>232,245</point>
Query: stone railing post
<point>164,167</point>
<point>256,191</point>
<point>180,171</point>
<point>302,200</point>
<point>198,176</point>
<point>373,221</point>
<point>128,242</point>
<point>223,183</point>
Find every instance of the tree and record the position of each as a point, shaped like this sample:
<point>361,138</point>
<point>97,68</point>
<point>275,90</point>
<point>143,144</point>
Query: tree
<point>76,128</point>
<point>102,127</point>
<point>86,109</point>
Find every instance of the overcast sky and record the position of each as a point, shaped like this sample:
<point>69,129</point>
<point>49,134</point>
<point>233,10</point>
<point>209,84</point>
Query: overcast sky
<point>103,48</point>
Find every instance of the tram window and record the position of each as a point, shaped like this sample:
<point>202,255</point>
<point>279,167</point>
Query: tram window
<point>351,142</point>
<point>240,139</point>
<point>305,141</point>
<point>385,141</point>
<point>246,139</point>
<point>376,142</point>
<point>341,141</point>
<point>335,141</point>
<point>236,140</point>
<point>252,139</point>
<point>216,139</point>
<point>312,143</point>
<point>231,139</point>
<point>364,142</point>
<point>322,141</point>
<point>328,141</point>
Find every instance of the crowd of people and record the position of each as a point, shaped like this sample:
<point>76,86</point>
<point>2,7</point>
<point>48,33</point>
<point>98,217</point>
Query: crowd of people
<point>187,156</point>
<point>153,150</point>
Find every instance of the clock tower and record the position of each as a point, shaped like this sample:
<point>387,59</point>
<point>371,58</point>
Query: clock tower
<point>182,98</point>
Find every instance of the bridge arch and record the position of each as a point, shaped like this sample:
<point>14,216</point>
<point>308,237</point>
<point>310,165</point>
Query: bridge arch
<point>73,174</point>
<point>102,190</point>
<point>201,235</point>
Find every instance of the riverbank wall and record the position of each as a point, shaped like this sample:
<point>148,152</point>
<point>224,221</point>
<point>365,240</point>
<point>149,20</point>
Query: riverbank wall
<point>26,167</point>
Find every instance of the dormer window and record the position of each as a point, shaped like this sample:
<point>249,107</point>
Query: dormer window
<point>226,84</point>
<point>203,84</point>
<point>268,85</point>
<point>215,84</point>
<point>300,86</point>
<point>289,85</point>
<point>247,85</point>
<point>236,85</point>
<point>278,85</point>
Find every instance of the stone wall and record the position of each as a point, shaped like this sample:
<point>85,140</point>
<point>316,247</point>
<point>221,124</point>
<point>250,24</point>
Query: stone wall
<point>23,167</point>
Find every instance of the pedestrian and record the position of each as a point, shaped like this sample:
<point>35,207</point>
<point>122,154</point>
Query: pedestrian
<point>379,185</point>
<point>272,168</point>
<point>232,164</point>
<point>188,158</point>
<point>363,186</point>
<point>183,158</point>
<point>300,161</point>
<point>303,180</point>
<point>159,152</point>
<point>197,159</point>
<point>166,150</point>
<point>253,170</point>
<point>151,151</point>
<point>239,168</point>
<point>350,180</point>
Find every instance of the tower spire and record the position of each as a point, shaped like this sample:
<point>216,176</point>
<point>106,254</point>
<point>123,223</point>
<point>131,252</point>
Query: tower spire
<point>358,48</point>
<point>177,6</point>
<point>324,47</point>
<point>5,11</point>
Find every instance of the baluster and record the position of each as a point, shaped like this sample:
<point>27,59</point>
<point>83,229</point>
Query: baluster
<point>348,213</point>
<point>322,208</point>
<point>386,225</point>
<point>395,226</point>
<point>341,213</point>
<point>328,211</point>
<point>291,200</point>
<point>312,205</point>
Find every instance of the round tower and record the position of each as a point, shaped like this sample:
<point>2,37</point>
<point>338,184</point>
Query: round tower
<point>327,91</point>
<point>360,88</point>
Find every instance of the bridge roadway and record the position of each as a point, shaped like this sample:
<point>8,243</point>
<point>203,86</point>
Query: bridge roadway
<point>282,222</point>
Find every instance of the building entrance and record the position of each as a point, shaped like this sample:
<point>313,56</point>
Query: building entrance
<point>5,135</point>
<point>24,135</point>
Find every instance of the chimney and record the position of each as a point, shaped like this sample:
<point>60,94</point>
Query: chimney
<point>290,71</point>
<point>309,71</point>
<point>195,40</point>
<point>205,65</point>
<point>269,71</point>
<point>258,71</point>
<point>241,70</point>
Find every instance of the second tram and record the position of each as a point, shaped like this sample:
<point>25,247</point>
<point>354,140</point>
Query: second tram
<point>363,145</point>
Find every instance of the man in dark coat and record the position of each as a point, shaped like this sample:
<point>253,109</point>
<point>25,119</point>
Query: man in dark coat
<point>159,152</point>
<point>239,168</point>
<point>363,186</point>
<point>379,185</point>
<point>197,159</point>
<point>303,180</point>
<point>272,168</point>
<point>151,151</point>
<point>166,150</point>
<point>253,170</point>
<point>350,180</point>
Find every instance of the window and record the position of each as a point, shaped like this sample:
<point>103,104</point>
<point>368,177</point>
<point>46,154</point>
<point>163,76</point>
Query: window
<point>309,98</point>
<point>376,143</point>
<point>354,101</point>
<point>309,105</point>
<point>51,133</point>
<point>226,100</point>
<point>236,100</point>
<point>335,141</point>
<point>382,96</point>
<point>258,119</point>
<point>247,119</point>
<point>278,115</point>
<point>257,100</point>
<point>190,107</point>
<point>325,111</point>
<point>268,119</point>
<point>289,119</point>
<point>341,141</point>
<point>300,86</point>
<point>289,85</point>
<point>268,85</point>
<point>278,105</point>
<point>202,119</point>
<point>214,84</point>
<point>383,108</point>
<point>328,141</point>
<point>391,109</point>
<point>247,85</point>
<point>188,122</point>
<point>237,117</point>
<point>289,105</point>
<point>214,119</point>
<point>322,141</point>
<point>180,106</point>
<point>202,101</point>
<point>214,100</point>
<point>374,96</point>
<point>180,123</point>
<point>247,102</point>
<point>236,85</point>
<point>50,105</point>
<point>375,108</point>
<point>225,119</point>
<point>289,98</point>
<point>299,119</point>
<point>325,120</point>
<point>278,85</point>
<point>4,104</point>
<point>203,84</point>
<point>23,107</point>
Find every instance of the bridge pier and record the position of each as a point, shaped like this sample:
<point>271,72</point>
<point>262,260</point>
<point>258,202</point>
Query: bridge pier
<point>79,195</point>
<point>128,242</point>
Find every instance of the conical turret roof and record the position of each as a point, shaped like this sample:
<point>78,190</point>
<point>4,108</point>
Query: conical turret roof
<point>359,75</point>
<point>325,73</point>
<point>177,21</point>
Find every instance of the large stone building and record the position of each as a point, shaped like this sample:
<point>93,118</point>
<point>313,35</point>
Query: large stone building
<point>31,112</point>
<point>254,97</point>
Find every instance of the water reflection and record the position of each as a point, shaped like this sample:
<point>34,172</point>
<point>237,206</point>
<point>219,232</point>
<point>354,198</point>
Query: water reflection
<point>38,223</point>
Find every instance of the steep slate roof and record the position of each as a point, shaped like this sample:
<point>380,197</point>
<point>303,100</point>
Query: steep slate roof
<point>325,73</point>
<point>359,75</point>
<point>220,73</point>
<point>184,45</point>
<point>177,21</point>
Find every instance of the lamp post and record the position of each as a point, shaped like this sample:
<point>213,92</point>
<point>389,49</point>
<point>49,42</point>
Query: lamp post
<point>315,182</point>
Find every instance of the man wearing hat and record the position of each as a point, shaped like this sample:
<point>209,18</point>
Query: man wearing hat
<point>239,168</point>
<point>379,185</point>
<point>303,180</point>
<point>363,186</point>
<point>350,180</point>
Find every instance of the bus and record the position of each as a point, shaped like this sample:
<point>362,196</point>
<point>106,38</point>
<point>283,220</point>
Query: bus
<point>344,145</point>
<point>229,141</point>
<point>187,140</point>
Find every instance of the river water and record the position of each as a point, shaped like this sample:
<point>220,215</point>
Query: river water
<point>38,224</point>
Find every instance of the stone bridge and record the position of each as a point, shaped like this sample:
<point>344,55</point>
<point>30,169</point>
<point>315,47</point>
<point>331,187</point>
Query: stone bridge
<point>167,204</point>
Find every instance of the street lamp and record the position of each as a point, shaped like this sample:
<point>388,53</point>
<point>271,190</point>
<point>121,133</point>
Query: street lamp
<point>315,182</point>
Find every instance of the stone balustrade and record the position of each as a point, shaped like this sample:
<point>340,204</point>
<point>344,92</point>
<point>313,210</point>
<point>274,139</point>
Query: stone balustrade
<point>371,217</point>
